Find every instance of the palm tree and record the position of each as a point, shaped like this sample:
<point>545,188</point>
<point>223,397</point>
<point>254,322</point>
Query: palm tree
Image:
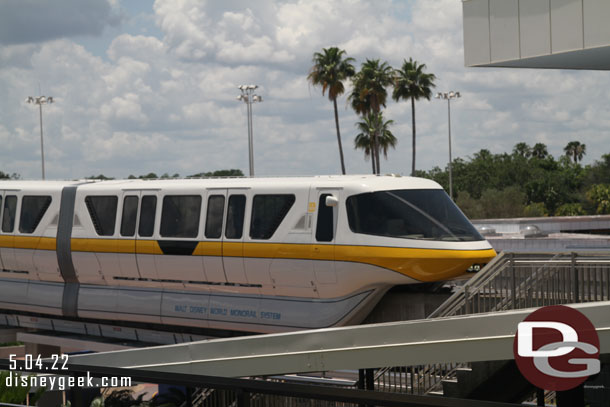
<point>369,93</point>
<point>330,69</point>
<point>575,150</point>
<point>373,127</point>
<point>412,83</point>
<point>540,151</point>
<point>522,149</point>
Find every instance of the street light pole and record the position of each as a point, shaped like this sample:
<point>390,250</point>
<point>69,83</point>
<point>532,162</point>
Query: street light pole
<point>40,100</point>
<point>248,97</point>
<point>448,96</point>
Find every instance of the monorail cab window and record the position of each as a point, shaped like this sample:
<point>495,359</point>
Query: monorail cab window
<point>425,214</point>
<point>180,216</point>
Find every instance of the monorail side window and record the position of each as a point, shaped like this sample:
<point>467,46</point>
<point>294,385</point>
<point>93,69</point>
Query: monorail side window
<point>180,215</point>
<point>148,210</point>
<point>324,226</point>
<point>8,216</point>
<point>130,213</point>
<point>102,210</point>
<point>33,209</point>
<point>235,216</point>
<point>213,220</point>
<point>268,212</point>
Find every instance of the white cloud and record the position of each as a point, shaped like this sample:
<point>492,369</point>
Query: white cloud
<point>167,103</point>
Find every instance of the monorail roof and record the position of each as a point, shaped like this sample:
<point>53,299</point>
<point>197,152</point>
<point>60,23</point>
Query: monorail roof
<point>368,181</point>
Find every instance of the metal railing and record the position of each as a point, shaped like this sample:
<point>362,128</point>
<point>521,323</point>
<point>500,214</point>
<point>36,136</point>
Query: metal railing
<point>510,281</point>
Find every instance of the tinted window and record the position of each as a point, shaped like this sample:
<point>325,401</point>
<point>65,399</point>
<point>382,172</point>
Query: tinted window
<point>102,210</point>
<point>268,211</point>
<point>235,216</point>
<point>180,216</point>
<point>324,227</point>
<point>8,216</point>
<point>411,214</point>
<point>33,209</point>
<point>213,220</point>
<point>130,213</point>
<point>148,210</point>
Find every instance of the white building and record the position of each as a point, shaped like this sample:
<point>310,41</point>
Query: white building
<point>562,34</point>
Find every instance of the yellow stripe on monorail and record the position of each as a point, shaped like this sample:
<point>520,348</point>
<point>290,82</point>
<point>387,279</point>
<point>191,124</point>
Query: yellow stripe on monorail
<point>421,264</point>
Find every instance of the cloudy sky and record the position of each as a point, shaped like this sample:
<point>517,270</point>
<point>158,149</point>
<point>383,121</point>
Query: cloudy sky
<point>145,85</point>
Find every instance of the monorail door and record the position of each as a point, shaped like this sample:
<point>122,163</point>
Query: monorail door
<point>128,210</point>
<point>233,237</point>
<point>323,244</point>
<point>145,239</point>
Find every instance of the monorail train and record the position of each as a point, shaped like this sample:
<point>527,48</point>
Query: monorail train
<point>247,254</point>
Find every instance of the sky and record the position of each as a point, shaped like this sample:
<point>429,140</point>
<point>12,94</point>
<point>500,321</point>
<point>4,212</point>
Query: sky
<point>150,86</point>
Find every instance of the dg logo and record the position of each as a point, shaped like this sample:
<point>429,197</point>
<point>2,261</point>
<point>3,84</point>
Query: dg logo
<point>556,348</point>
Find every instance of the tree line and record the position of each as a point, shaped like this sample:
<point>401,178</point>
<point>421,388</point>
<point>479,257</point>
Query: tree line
<point>528,182</point>
<point>331,68</point>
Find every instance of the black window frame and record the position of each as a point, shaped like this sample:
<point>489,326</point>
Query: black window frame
<point>327,232</point>
<point>234,227</point>
<point>129,222</point>
<point>148,216</point>
<point>177,224</point>
<point>12,214</point>
<point>29,223</point>
<point>213,221</point>
<point>268,213</point>
<point>102,226</point>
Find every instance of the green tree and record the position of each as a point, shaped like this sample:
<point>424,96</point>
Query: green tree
<point>540,151</point>
<point>12,391</point>
<point>101,177</point>
<point>219,173</point>
<point>507,203</point>
<point>6,175</point>
<point>575,150</point>
<point>535,210</point>
<point>600,196</point>
<point>522,149</point>
<point>373,126</point>
<point>570,209</point>
<point>369,93</point>
<point>330,69</point>
<point>411,82</point>
<point>123,398</point>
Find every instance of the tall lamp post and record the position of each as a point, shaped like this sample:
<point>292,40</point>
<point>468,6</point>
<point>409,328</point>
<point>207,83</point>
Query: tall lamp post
<point>40,100</point>
<point>448,96</point>
<point>248,97</point>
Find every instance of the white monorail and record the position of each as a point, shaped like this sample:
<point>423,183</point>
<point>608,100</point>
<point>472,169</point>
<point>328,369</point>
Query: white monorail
<point>250,254</point>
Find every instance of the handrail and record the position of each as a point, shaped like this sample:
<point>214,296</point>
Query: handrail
<point>514,281</point>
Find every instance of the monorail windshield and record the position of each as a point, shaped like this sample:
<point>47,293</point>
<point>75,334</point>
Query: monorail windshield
<point>425,214</point>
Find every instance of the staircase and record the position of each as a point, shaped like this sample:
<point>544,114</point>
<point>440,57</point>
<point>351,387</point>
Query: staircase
<point>510,281</point>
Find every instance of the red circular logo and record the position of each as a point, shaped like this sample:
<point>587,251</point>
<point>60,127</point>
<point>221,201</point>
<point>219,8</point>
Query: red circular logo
<point>556,348</point>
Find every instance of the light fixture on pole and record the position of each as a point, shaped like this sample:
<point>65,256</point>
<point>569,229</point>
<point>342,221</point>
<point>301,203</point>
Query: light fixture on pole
<point>448,96</point>
<point>40,100</point>
<point>248,97</point>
